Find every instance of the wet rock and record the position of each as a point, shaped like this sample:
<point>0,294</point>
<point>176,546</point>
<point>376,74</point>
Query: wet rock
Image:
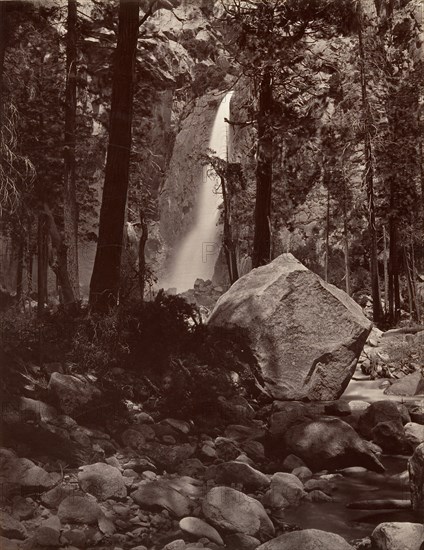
<point>318,496</point>
<point>103,481</point>
<point>133,439</point>
<point>79,509</point>
<point>238,472</point>
<point>291,462</point>
<point>303,473</point>
<point>180,425</point>
<point>23,508</point>
<point>382,411</point>
<point>7,544</point>
<point>74,395</point>
<point>226,449</point>
<point>316,331</point>
<point>409,385</point>
<point>11,528</point>
<point>398,536</point>
<point>307,539</point>
<point>188,486</point>
<point>240,434</point>
<point>416,478</point>
<point>288,415</point>
<point>52,498</point>
<point>236,512</point>
<point>414,433</point>
<point>48,533</point>
<point>330,443</point>
<point>168,456</point>
<point>338,408</point>
<point>178,544</point>
<point>324,485</point>
<point>285,490</point>
<point>237,409</point>
<point>152,494</point>
<point>254,450</point>
<point>390,436</point>
<point>242,542</point>
<point>199,528</point>
<point>191,467</point>
<point>22,472</point>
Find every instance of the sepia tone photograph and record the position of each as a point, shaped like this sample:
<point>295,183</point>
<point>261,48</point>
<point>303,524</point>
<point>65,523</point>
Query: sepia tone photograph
<point>212,274</point>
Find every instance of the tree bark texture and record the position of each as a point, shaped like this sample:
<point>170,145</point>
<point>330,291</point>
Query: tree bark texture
<point>104,287</point>
<point>262,237</point>
<point>70,207</point>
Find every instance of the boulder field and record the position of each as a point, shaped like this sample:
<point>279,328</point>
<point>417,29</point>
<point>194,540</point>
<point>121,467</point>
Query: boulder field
<point>227,487</point>
<point>305,334</point>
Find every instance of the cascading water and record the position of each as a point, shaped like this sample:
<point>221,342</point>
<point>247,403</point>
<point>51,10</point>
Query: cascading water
<point>198,252</point>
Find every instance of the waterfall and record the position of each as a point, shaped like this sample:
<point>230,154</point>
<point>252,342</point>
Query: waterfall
<point>197,254</point>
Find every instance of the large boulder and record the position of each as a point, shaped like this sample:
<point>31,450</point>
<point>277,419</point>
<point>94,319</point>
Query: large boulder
<point>306,335</point>
<point>233,472</point>
<point>308,539</point>
<point>329,443</point>
<point>74,395</point>
<point>103,481</point>
<point>159,494</point>
<point>22,474</point>
<point>398,536</point>
<point>416,478</point>
<point>235,512</point>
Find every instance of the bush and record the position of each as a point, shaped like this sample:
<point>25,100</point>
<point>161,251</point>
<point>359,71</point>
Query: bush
<point>183,363</point>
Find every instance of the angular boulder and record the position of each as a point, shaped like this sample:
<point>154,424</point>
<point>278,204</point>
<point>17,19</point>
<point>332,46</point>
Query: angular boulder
<point>233,472</point>
<point>398,536</point>
<point>329,443</point>
<point>307,539</point>
<point>103,481</point>
<point>306,335</point>
<point>159,494</point>
<point>416,478</point>
<point>235,512</point>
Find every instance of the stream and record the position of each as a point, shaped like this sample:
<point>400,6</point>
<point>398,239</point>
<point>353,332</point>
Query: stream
<point>360,484</point>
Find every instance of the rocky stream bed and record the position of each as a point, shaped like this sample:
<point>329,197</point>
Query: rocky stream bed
<point>287,475</point>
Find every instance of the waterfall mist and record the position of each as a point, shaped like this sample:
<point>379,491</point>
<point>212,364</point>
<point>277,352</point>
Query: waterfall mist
<point>197,253</point>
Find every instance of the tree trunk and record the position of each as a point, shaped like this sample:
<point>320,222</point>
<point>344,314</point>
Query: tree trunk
<point>262,237</point>
<point>369,182</point>
<point>386,272</point>
<point>327,237</point>
<point>42,262</point>
<point>20,270</point>
<point>229,247</point>
<point>60,266</point>
<point>394,260</point>
<point>3,42</point>
<point>141,254</point>
<point>70,208</point>
<point>346,250</point>
<point>104,287</point>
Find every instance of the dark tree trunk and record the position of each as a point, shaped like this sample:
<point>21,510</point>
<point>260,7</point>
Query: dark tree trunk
<point>20,270</point>
<point>394,260</point>
<point>3,43</point>
<point>262,237</point>
<point>42,261</point>
<point>70,208</point>
<point>229,247</point>
<point>104,287</point>
<point>141,254</point>
<point>60,265</point>
<point>369,184</point>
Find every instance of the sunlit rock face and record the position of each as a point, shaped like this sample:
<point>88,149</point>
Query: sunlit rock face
<point>306,335</point>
